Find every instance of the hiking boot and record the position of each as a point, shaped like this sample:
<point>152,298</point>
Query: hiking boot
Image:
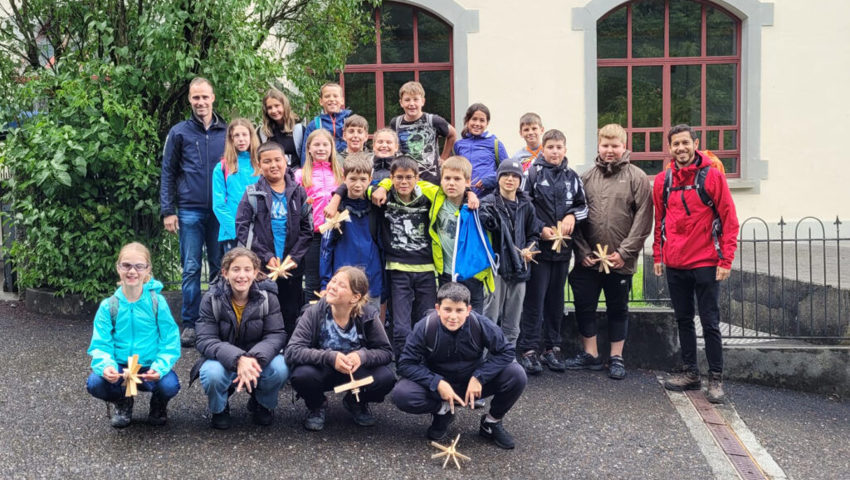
<point>616,368</point>
<point>496,431</point>
<point>680,382</point>
<point>123,413</point>
<point>259,414</point>
<point>221,420</point>
<point>187,338</point>
<point>715,392</point>
<point>531,363</point>
<point>315,420</point>
<point>584,361</point>
<point>552,359</point>
<point>360,411</point>
<point>440,426</point>
<point>158,413</point>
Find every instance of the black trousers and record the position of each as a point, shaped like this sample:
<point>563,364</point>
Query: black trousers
<point>312,381</point>
<point>290,294</point>
<point>683,284</point>
<point>543,307</point>
<point>587,284</point>
<point>476,291</point>
<point>312,278</point>
<point>412,295</point>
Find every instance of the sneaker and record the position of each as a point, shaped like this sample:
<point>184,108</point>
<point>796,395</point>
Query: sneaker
<point>480,403</point>
<point>616,368</point>
<point>584,361</point>
<point>123,413</point>
<point>187,338</point>
<point>552,359</point>
<point>496,431</point>
<point>531,363</point>
<point>679,382</point>
<point>440,426</point>
<point>715,392</point>
<point>315,419</point>
<point>158,413</point>
<point>221,420</point>
<point>259,414</point>
<point>360,411</point>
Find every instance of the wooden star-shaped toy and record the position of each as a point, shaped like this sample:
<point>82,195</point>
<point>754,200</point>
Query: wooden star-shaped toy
<point>601,253</point>
<point>354,385</point>
<point>527,254</point>
<point>559,241</point>
<point>283,270</point>
<point>131,376</point>
<point>450,453</point>
<point>335,222</point>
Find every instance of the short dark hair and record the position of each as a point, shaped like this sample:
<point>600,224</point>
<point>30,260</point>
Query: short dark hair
<point>268,147</point>
<point>456,292</point>
<point>404,162</point>
<point>682,127</point>
<point>554,135</point>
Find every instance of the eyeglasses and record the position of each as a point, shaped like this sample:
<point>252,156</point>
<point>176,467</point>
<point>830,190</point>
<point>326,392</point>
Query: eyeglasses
<point>403,178</point>
<point>126,267</point>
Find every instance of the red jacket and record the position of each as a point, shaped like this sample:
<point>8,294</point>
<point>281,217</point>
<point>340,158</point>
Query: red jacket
<point>689,241</point>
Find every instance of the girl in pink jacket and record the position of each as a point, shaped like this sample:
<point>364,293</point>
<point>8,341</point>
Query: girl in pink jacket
<point>320,176</point>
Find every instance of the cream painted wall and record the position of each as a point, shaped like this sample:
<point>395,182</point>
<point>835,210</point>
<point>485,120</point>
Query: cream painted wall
<point>805,94</point>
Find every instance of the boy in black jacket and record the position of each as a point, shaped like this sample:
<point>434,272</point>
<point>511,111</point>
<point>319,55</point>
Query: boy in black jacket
<point>509,217</point>
<point>445,354</point>
<point>558,197</point>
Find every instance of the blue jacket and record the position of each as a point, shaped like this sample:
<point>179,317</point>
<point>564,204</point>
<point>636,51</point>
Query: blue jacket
<point>228,191</point>
<point>331,123</point>
<point>484,152</point>
<point>357,245</point>
<point>456,356</point>
<point>188,159</point>
<point>154,337</point>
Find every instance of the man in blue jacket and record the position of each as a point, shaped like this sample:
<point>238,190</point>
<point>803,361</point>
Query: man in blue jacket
<point>444,358</point>
<point>192,150</point>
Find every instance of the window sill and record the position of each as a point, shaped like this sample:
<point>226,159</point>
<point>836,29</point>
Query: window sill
<point>739,184</point>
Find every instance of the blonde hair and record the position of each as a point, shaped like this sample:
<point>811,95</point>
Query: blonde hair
<point>360,162</point>
<point>307,169</point>
<point>231,156</point>
<point>201,81</point>
<point>289,118</point>
<point>388,131</point>
<point>411,88</point>
<point>136,247</point>
<point>457,162</point>
<point>358,283</point>
<point>329,84</point>
<point>613,131</point>
<point>530,118</point>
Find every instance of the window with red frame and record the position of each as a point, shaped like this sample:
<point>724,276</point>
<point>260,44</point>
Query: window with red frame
<point>409,44</point>
<point>665,62</point>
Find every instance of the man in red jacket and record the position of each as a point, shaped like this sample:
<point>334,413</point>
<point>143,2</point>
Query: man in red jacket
<point>696,231</point>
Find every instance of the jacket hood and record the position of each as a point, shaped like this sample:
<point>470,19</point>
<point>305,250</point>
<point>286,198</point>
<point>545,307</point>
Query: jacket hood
<point>543,163</point>
<point>483,135</point>
<point>153,285</point>
<point>610,168</point>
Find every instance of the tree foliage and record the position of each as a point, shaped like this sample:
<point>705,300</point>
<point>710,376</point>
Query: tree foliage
<point>95,85</point>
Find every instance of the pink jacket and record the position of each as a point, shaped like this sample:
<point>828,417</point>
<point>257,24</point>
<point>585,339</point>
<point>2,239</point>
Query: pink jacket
<point>320,193</point>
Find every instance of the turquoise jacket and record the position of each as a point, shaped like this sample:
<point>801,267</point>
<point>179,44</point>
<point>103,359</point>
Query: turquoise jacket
<point>155,338</point>
<point>227,192</point>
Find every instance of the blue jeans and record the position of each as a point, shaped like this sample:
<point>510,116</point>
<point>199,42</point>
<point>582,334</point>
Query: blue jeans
<point>217,380</point>
<point>166,387</point>
<point>197,228</point>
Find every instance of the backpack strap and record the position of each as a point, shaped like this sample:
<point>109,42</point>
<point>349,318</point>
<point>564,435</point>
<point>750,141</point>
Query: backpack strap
<point>496,151</point>
<point>225,172</point>
<point>298,137</point>
<point>429,117</point>
<point>665,194</point>
<point>264,308</point>
<point>432,326</point>
<point>397,123</point>
<point>318,122</point>
<point>113,311</point>
<point>716,223</point>
<point>252,194</point>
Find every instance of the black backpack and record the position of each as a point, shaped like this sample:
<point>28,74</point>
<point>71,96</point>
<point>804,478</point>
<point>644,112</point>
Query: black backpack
<point>699,186</point>
<point>432,326</point>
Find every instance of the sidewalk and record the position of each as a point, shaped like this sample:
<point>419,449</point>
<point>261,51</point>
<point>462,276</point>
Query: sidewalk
<point>573,425</point>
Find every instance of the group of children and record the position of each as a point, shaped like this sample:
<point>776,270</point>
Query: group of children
<point>492,231</point>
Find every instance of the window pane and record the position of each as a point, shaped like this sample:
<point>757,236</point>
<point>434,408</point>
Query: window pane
<point>648,28</point>
<point>646,97</point>
<point>438,93</point>
<point>730,140</point>
<point>392,82</point>
<point>611,35</point>
<point>639,142</point>
<point>730,164</point>
<point>433,39</point>
<point>651,167</point>
<point>720,33</point>
<point>685,21</point>
<point>656,142</point>
<point>396,33</point>
<point>360,95</point>
<point>712,140</point>
<point>611,95</point>
<point>365,53</point>
<point>685,85</point>
<point>721,94</point>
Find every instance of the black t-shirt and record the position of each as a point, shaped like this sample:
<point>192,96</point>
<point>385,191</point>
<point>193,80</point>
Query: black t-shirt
<point>419,139</point>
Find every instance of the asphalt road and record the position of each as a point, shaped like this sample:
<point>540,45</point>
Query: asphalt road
<point>574,425</point>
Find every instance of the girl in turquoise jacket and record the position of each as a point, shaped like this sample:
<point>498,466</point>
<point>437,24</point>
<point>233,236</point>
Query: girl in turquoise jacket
<point>135,320</point>
<point>238,168</point>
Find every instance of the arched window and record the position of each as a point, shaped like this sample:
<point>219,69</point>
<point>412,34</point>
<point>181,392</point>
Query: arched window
<point>665,62</point>
<point>409,44</point>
